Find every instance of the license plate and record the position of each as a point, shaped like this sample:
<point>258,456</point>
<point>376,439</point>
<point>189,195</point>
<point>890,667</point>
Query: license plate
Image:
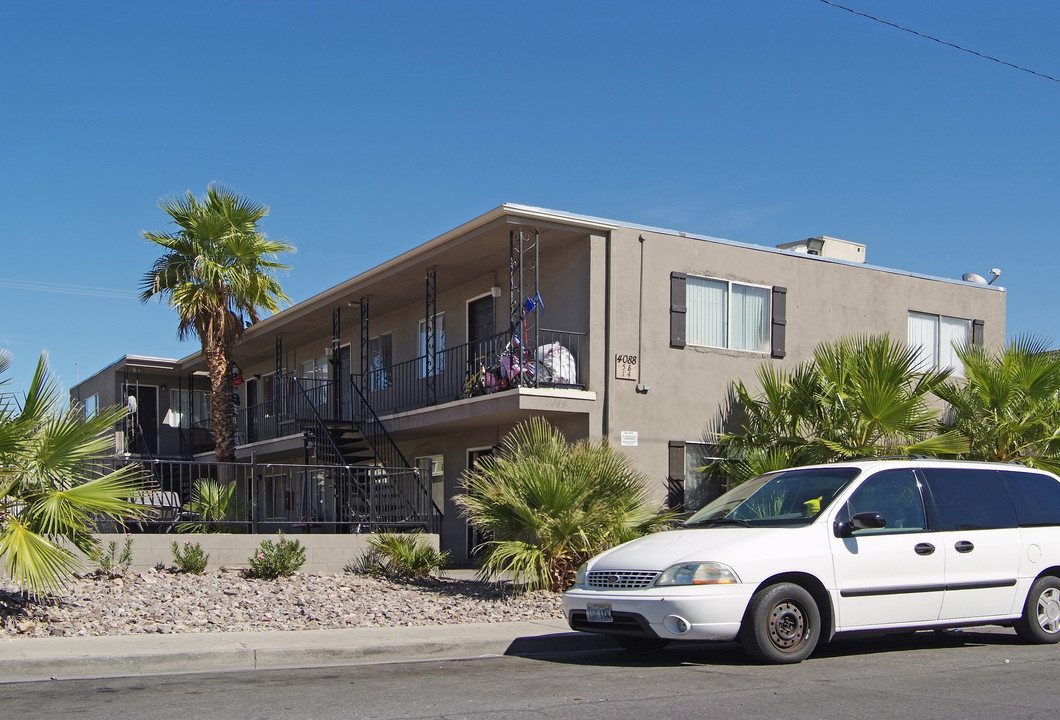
<point>598,612</point>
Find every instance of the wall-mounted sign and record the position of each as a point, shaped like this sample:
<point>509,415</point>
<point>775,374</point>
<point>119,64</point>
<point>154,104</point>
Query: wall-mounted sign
<point>629,438</point>
<point>626,367</point>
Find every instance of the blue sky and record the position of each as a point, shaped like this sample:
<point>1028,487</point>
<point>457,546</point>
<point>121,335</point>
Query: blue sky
<point>371,127</point>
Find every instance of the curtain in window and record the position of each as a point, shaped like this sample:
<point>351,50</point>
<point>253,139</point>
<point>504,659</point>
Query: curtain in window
<point>439,344</point>
<point>750,318</point>
<point>379,361</point>
<point>707,312</point>
<point>954,333</point>
<point>923,336</point>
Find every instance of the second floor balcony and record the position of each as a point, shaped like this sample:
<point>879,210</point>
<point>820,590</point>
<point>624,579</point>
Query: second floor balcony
<point>497,364</point>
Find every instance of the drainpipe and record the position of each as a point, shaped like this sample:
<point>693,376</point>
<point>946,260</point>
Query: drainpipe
<point>641,388</point>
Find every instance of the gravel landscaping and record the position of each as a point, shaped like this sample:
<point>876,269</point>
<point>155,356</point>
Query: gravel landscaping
<point>163,601</point>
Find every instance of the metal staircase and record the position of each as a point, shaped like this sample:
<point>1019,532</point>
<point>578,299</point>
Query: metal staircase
<point>376,483</point>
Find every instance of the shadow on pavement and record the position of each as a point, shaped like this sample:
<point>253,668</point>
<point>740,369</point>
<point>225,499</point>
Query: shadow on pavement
<point>600,651</point>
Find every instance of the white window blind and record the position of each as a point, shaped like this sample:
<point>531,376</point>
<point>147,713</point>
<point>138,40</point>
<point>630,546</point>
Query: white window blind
<point>726,314</point>
<point>937,339</point>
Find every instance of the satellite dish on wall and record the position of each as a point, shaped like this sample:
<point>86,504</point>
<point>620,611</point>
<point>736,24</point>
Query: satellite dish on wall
<point>974,278</point>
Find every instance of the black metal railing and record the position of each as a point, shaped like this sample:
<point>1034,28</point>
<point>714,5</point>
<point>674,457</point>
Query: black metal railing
<point>495,364</point>
<point>293,498</point>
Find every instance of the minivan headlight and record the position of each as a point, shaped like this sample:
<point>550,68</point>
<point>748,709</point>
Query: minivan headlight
<point>579,577</point>
<point>701,573</point>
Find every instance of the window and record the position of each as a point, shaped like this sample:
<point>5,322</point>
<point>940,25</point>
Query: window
<point>315,371</point>
<point>439,345</point>
<point>970,499</point>
<point>380,357</point>
<point>1037,498</point>
<point>689,486</point>
<point>187,407</point>
<point>91,406</point>
<point>938,337</point>
<point>725,314</point>
<point>709,312</point>
<point>894,494</point>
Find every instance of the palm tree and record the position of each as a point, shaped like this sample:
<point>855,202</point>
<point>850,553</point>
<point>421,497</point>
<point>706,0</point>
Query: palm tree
<point>1009,405</point>
<point>51,490</point>
<point>859,396</point>
<point>549,506</point>
<point>217,272</point>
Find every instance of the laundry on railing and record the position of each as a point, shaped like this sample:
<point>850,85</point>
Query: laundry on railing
<point>558,363</point>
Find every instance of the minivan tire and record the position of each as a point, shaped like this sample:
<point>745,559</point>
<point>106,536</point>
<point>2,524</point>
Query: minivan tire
<point>782,624</point>
<point>1040,623</point>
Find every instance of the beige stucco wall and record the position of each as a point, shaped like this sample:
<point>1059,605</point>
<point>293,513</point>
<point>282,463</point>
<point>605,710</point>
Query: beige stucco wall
<point>825,300</point>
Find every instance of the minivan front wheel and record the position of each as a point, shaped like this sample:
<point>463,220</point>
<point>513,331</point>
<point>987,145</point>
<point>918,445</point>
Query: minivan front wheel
<point>1040,622</point>
<point>782,624</point>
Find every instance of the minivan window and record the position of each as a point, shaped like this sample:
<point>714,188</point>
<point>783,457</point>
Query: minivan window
<point>894,494</point>
<point>792,497</point>
<point>1037,498</point>
<point>970,499</point>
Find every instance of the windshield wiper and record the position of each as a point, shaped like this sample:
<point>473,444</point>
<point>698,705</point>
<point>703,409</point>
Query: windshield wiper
<point>722,521</point>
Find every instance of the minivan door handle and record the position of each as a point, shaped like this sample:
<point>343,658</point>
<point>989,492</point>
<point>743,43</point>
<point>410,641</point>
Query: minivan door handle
<point>963,546</point>
<point>924,548</point>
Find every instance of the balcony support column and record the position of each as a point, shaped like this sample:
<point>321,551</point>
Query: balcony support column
<point>430,340</point>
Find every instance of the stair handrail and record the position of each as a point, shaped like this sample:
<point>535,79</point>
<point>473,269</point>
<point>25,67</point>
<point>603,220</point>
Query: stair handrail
<point>376,422</point>
<point>318,429</point>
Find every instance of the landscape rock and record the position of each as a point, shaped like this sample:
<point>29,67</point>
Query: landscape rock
<point>225,601</point>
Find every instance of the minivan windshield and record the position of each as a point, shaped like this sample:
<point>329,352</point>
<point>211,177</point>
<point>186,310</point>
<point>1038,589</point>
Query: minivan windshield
<point>788,497</point>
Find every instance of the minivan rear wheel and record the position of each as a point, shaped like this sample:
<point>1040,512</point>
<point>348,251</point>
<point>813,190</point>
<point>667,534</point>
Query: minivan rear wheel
<point>782,624</point>
<point>1040,622</point>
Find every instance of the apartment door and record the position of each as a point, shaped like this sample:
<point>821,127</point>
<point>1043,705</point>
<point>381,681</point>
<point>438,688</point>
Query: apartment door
<point>480,327</point>
<point>144,422</point>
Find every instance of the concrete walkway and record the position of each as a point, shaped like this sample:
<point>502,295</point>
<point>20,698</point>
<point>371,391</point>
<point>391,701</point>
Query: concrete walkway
<point>64,658</point>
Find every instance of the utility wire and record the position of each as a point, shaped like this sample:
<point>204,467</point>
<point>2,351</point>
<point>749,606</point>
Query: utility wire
<point>941,42</point>
<point>68,289</point>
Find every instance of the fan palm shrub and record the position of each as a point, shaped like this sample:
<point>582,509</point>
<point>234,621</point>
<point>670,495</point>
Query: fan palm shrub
<point>547,506</point>
<point>406,555</point>
<point>52,488</point>
<point>1008,406</point>
<point>212,503</point>
<point>859,396</point>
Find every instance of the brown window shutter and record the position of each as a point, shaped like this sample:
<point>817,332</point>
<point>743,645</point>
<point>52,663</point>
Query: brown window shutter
<point>675,476</point>
<point>677,309</point>
<point>977,332</point>
<point>778,347</point>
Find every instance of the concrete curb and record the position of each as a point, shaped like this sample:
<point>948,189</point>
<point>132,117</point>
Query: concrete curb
<point>33,659</point>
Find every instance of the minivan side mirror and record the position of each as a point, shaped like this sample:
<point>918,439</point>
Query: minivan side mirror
<point>860,521</point>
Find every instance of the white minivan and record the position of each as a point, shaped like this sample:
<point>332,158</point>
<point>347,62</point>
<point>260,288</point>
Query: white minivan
<point>790,558</point>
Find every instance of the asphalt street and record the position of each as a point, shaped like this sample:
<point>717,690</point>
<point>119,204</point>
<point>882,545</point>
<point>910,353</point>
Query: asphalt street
<point>973,674</point>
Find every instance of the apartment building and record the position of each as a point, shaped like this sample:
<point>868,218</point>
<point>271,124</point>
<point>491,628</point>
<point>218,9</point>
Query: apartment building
<point>607,329</point>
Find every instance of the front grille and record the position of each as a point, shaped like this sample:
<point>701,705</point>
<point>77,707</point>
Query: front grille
<point>621,579</point>
<point>622,623</point>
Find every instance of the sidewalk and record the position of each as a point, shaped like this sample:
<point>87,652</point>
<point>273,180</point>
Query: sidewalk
<point>65,658</point>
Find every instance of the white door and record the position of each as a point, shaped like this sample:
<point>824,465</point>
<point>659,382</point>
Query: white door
<point>981,539</point>
<point>891,576</point>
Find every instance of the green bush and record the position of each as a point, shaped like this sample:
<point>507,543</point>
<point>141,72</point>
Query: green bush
<point>547,506</point>
<point>113,563</point>
<point>191,558</point>
<point>279,559</point>
<point>407,555</point>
